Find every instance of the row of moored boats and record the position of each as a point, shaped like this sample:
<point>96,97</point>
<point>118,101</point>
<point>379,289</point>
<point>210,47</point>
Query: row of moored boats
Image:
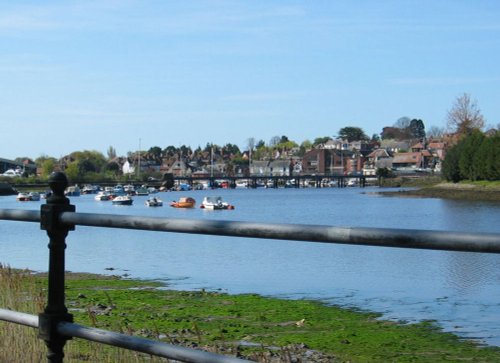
<point>122,195</point>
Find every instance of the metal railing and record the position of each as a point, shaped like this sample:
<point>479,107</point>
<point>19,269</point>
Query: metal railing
<point>58,217</point>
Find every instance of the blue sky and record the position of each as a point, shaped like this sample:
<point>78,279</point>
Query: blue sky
<point>86,75</point>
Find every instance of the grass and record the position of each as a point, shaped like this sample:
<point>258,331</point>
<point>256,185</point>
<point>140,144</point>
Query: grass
<point>259,328</point>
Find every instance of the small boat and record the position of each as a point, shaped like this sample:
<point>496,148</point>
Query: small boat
<point>142,190</point>
<point>154,202</point>
<point>23,197</point>
<point>102,196</point>
<point>122,200</point>
<point>129,189</point>
<point>184,202</point>
<point>215,203</point>
<point>119,190</point>
<point>73,191</point>
<point>89,189</point>
<point>34,196</point>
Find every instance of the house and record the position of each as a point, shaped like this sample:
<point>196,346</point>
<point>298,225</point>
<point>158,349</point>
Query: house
<point>260,168</point>
<point>394,146</point>
<point>332,161</point>
<point>279,168</point>
<point>412,160</point>
<point>437,149</point>
<point>377,159</point>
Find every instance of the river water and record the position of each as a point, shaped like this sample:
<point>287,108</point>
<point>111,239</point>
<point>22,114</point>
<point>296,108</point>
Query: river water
<point>461,291</point>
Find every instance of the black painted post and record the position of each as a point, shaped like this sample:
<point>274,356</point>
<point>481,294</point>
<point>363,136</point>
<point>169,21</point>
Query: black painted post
<point>55,311</point>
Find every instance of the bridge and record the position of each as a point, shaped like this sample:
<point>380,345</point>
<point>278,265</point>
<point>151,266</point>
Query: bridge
<point>275,181</point>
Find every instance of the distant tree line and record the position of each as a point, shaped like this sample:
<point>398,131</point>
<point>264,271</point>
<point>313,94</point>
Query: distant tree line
<point>475,157</point>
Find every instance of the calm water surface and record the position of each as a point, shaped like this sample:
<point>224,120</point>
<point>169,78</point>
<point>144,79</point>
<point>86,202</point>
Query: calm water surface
<point>459,290</point>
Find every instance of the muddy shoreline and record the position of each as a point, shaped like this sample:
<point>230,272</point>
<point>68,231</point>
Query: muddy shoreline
<point>451,191</point>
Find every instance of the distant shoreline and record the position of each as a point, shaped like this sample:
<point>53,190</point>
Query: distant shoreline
<point>452,191</point>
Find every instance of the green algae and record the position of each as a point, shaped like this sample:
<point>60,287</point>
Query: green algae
<point>252,323</point>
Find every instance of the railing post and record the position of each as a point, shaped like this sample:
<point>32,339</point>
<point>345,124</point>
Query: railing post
<point>56,310</point>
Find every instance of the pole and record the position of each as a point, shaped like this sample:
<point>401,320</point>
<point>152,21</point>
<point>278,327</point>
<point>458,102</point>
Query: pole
<point>55,311</point>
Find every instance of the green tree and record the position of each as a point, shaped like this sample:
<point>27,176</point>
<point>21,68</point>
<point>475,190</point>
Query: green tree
<point>170,150</point>
<point>352,133</point>
<point>72,171</point>
<point>417,129</point>
<point>155,151</point>
<point>232,149</point>
<point>48,166</point>
<point>321,140</point>
<point>304,147</point>
<point>284,139</point>
<point>488,158</point>
<point>468,162</point>
<point>451,169</point>
<point>383,173</point>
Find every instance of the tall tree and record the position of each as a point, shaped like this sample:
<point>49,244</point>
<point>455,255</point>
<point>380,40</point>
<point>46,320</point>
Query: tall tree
<point>465,116</point>
<point>352,133</point>
<point>417,129</point>
<point>111,153</point>
<point>468,163</point>
<point>451,169</point>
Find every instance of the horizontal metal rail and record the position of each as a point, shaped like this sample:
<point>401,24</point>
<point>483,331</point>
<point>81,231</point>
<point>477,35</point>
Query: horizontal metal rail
<point>382,237</point>
<point>143,345</point>
<point>20,215</point>
<point>19,318</point>
<point>147,346</point>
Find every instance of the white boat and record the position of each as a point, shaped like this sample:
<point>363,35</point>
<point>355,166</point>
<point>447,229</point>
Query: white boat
<point>89,189</point>
<point>102,196</point>
<point>215,203</point>
<point>241,184</point>
<point>23,197</point>
<point>122,200</point>
<point>154,202</point>
<point>27,197</point>
<point>129,189</point>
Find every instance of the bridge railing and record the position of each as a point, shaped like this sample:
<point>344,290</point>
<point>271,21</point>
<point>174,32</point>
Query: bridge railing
<point>58,217</point>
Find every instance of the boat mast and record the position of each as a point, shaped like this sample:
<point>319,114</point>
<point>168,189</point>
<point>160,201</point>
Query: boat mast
<point>139,161</point>
<point>212,161</point>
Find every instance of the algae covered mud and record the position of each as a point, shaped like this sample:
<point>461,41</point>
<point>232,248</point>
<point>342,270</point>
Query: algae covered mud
<point>245,325</point>
<point>458,290</point>
<point>487,192</point>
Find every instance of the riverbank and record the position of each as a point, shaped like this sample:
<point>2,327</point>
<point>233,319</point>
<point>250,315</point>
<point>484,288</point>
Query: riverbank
<point>248,325</point>
<point>457,191</point>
